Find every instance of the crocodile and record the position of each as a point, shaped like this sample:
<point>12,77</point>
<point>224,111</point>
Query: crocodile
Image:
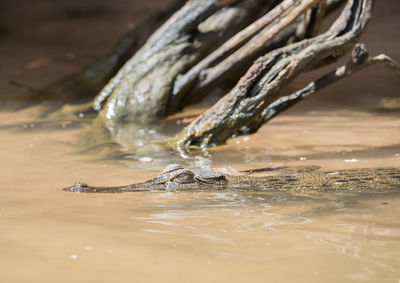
<point>177,178</point>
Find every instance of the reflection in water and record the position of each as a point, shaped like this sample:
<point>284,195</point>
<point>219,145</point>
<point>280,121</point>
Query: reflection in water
<point>236,224</point>
<point>255,227</point>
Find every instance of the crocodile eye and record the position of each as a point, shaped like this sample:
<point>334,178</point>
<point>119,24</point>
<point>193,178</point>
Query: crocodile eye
<point>185,177</point>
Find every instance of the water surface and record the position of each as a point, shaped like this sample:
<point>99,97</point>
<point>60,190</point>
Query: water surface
<point>49,235</point>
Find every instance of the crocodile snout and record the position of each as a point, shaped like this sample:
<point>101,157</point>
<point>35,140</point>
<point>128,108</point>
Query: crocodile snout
<point>77,188</point>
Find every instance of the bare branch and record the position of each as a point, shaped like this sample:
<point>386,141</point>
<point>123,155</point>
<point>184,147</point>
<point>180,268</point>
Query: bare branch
<point>257,34</point>
<point>262,83</point>
<point>141,89</point>
<point>358,61</point>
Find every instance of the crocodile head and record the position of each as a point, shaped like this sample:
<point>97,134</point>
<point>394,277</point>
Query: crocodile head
<point>173,177</point>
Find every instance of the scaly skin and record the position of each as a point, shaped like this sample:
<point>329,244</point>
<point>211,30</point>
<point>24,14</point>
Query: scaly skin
<point>176,178</point>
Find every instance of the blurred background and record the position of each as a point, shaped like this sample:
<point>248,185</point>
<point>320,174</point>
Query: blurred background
<point>44,40</point>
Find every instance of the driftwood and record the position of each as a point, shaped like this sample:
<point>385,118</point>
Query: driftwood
<point>240,51</point>
<point>206,44</point>
<point>141,90</point>
<point>253,48</point>
<point>256,98</point>
<point>359,60</point>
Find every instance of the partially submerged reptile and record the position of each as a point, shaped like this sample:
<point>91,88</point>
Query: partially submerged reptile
<point>176,178</point>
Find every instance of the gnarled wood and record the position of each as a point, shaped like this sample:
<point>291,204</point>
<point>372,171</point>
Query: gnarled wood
<point>209,44</point>
<point>202,46</point>
<point>238,51</point>
<point>141,89</point>
<point>262,83</point>
<point>358,61</point>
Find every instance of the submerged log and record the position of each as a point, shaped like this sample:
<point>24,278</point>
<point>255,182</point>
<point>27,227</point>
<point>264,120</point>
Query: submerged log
<point>209,45</point>
<point>203,46</point>
<point>141,90</point>
<point>242,109</point>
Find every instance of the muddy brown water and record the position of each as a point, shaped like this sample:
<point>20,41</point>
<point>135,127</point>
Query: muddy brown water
<point>48,235</point>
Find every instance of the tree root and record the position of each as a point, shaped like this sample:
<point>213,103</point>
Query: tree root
<point>142,89</point>
<point>204,45</point>
<point>208,45</point>
<point>255,99</point>
<point>358,61</point>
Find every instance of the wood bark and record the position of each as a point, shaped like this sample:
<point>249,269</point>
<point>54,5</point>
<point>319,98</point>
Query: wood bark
<point>140,91</point>
<point>208,45</point>
<point>245,104</point>
<point>182,62</point>
<point>238,51</point>
<point>359,60</point>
